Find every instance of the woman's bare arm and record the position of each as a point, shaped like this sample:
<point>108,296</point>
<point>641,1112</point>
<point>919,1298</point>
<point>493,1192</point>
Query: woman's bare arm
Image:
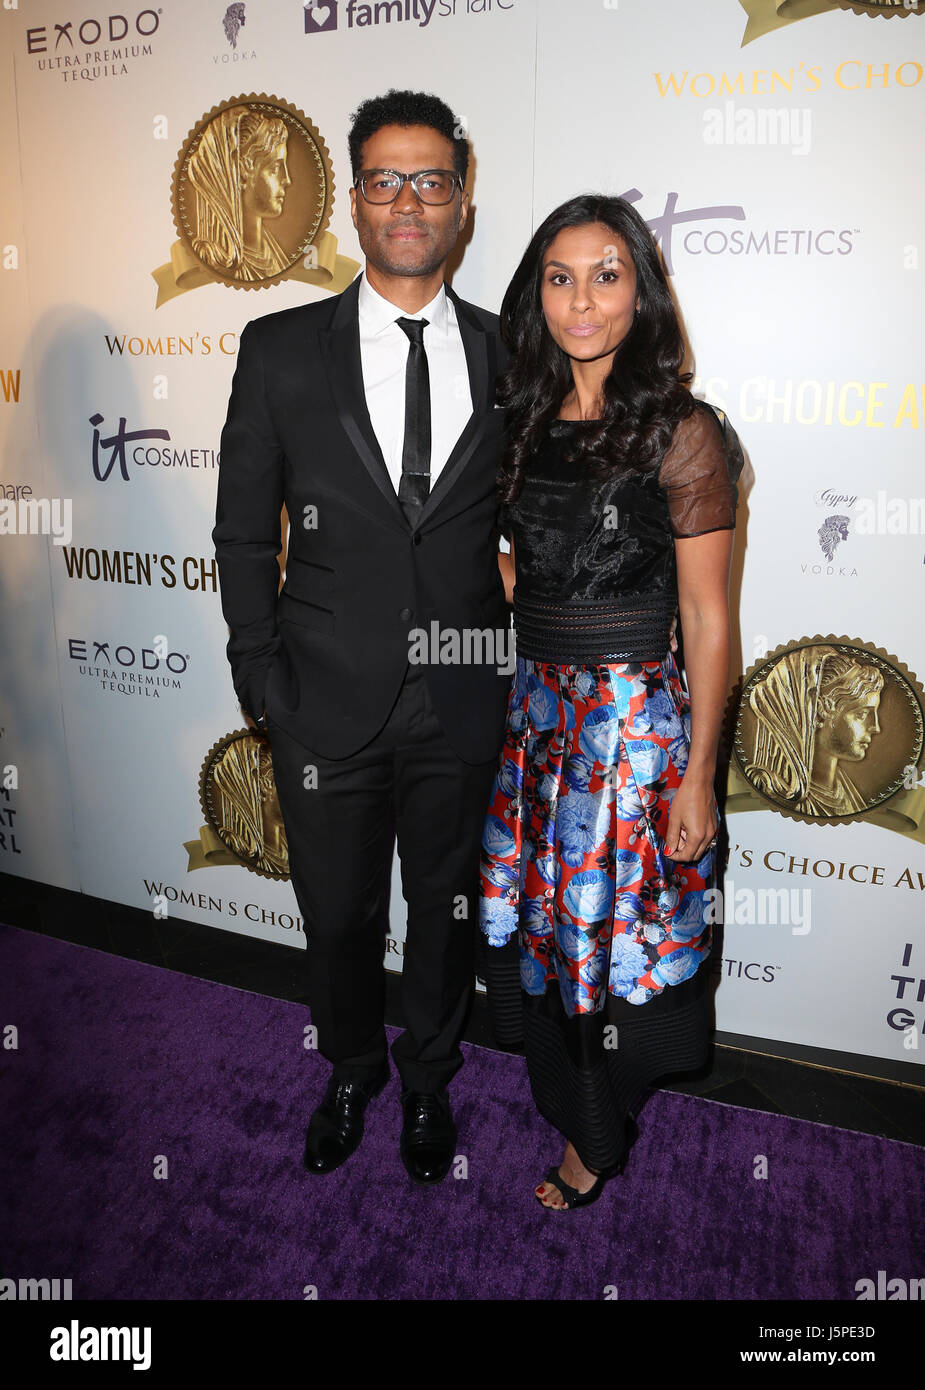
<point>506,566</point>
<point>703,590</point>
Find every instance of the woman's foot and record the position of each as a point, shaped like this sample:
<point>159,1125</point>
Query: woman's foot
<point>574,1173</point>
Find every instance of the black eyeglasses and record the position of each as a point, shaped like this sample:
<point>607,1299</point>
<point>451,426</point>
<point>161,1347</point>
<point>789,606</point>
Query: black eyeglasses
<point>433,186</point>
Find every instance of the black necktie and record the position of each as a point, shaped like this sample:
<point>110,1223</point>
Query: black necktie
<point>415,458</point>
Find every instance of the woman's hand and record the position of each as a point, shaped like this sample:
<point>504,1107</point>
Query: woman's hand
<point>692,821</point>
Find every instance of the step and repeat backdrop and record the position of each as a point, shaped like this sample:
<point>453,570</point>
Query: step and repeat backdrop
<point>772,146</point>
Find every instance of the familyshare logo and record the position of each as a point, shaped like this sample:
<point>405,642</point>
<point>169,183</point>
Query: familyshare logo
<point>321,16</point>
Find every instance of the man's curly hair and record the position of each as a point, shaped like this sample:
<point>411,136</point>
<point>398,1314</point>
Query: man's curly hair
<point>407,108</point>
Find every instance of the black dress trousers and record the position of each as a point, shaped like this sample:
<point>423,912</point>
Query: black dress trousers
<point>408,783</point>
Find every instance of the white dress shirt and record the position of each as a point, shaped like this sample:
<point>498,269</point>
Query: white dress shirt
<point>384,356</point>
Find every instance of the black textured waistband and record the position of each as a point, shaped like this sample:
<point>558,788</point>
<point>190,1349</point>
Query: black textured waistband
<point>579,632</point>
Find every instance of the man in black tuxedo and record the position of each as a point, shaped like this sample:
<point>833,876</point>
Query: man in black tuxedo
<point>371,416</point>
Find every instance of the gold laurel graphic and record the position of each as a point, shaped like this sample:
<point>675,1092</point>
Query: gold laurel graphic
<point>827,730</point>
<point>764,16</point>
<point>238,796</point>
<point>251,195</point>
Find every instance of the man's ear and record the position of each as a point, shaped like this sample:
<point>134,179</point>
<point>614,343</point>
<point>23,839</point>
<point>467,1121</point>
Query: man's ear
<point>464,203</point>
<point>353,206</point>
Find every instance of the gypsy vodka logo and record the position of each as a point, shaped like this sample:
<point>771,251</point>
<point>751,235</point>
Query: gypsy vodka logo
<point>833,531</point>
<point>234,21</point>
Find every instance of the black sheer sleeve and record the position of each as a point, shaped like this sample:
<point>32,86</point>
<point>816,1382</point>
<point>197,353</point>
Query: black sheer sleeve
<point>699,474</point>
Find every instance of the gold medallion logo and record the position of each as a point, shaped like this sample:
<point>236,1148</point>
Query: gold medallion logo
<point>829,730</point>
<point>240,805</point>
<point>252,195</point>
<point>767,15</point>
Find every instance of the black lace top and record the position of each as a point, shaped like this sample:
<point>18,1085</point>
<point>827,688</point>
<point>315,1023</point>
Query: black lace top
<point>595,558</point>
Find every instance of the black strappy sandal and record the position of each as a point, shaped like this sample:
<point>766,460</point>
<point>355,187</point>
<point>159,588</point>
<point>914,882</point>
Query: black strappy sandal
<point>571,1195</point>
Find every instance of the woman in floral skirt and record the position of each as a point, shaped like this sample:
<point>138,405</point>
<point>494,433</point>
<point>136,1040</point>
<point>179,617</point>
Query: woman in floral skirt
<point>619,499</point>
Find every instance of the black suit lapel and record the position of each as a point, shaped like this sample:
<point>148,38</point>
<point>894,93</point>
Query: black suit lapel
<point>341,350</point>
<point>481,362</point>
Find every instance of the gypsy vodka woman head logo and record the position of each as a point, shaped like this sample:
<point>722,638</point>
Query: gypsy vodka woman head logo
<point>233,22</point>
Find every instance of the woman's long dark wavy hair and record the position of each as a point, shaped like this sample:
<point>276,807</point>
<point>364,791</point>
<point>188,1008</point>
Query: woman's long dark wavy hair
<point>644,394</point>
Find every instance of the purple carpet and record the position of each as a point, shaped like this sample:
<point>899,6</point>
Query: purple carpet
<point>154,1126</point>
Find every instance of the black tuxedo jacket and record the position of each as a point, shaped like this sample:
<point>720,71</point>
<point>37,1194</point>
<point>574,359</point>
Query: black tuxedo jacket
<point>325,659</point>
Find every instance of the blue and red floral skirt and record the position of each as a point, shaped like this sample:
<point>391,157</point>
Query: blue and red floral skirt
<point>572,861</point>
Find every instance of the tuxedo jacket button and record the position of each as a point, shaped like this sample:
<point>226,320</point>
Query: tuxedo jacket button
<point>405,615</point>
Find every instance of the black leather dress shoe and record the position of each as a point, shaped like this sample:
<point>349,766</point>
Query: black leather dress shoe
<point>428,1136</point>
<point>336,1127</point>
